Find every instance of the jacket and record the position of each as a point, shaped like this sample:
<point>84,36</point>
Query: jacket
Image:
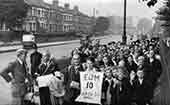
<point>19,74</point>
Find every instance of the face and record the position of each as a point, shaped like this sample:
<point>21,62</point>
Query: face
<point>151,54</point>
<point>130,59</point>
<point>150,47</point>
<point>76,61</point>
<point>114,72</point>
<point>46,58</point>
<point>121,63</point>
<point>99,57</point>
<point>108,74</point>
<point>23,57</point>
<point>89,64</point>
<point>75,52</point>
<point>105,60</point>
<point>140,74</point>
<point>132,73</point>
<point>140,60</point>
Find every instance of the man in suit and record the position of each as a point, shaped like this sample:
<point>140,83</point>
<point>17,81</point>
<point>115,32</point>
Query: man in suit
<point>120,88</point>
<point>141,89</point>
<point>19,73</point>
<point>72,81</point>
<point>156,68</point>
<point>35,61</point>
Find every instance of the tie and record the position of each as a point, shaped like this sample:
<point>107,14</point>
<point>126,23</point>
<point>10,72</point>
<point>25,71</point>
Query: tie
<point>108,95</point>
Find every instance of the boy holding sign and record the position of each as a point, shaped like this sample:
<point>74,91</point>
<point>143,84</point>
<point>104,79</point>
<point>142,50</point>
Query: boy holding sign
<point>91,84</point>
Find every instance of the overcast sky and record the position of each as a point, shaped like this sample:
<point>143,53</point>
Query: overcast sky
<point>112,7</point>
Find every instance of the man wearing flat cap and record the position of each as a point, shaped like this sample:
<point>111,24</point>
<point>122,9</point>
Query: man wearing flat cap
<point>18,76</point>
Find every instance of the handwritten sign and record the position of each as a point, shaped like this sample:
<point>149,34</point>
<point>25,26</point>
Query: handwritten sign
<point>91,87</point>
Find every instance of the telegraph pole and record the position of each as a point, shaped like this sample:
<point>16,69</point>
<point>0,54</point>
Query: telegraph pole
<point>124,37</point>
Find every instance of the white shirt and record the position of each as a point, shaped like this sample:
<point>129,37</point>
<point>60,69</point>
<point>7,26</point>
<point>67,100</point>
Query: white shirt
<point>20,61</point>
<point>140,81</point>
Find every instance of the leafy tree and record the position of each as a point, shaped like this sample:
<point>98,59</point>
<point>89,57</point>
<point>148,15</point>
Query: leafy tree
<point>150,2</point>
<point>13,12</point>
<point>102,24</point>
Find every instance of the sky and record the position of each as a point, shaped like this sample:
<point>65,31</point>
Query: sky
<point>112,7</point>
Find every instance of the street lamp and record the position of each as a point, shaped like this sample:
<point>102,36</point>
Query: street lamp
<point>124,37</point>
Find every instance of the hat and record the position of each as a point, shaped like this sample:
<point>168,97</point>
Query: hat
<point>34,46</point>
<point>21,51</point>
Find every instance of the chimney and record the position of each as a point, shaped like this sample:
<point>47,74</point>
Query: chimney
<point>67,5</point>
<point>76,8</point>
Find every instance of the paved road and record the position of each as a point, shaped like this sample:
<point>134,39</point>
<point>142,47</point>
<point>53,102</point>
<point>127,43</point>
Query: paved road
<point>57,51</point>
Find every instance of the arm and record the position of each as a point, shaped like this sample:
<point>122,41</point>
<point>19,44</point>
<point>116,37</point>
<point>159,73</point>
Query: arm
<point>5,72</point>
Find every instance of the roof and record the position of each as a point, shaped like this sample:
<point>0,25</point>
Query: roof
<point>38,3</point>
<point>42,4</point>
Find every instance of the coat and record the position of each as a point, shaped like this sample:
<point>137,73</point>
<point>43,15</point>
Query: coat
<point>131,67</point>
<point>120,96</point>
<point>70,75</point>
<point>141,93</point>
<point>19,74</point>
<point>35,62</point>
<point>156,69</point>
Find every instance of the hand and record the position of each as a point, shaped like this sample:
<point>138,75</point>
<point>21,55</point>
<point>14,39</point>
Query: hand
<point>75,85</point>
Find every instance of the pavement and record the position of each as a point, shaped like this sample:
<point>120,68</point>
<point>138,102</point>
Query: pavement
<point>4,49</point>
<point>12,48</point>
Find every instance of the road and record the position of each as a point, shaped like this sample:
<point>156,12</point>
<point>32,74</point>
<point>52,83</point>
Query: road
<point>57,51</point>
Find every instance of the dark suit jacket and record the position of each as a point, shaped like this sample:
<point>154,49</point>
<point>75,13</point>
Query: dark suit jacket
<point>19,75</point>
<point>131,67</point>
<point>121,97</point>
<point>70,75</point>
<point>35,62</point>
<point>156,69</point>
<point>141,92</point>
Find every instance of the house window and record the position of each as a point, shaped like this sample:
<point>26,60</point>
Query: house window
<point>50,27</point>
<point>34,26</point>
<point>39,12</point>
<point>30,26</point>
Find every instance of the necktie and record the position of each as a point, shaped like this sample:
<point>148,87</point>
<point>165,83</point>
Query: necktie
<point>108,95</point>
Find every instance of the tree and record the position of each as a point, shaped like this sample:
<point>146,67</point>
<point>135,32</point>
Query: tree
<point>13,12</point>
<point>102,24</point>
<point>150,2</point>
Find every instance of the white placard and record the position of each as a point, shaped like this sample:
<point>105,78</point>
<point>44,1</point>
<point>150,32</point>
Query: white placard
<point>91,87</point>
<point>44,81</point>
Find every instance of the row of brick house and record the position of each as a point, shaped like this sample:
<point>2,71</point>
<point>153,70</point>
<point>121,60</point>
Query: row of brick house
<point>44,17</point>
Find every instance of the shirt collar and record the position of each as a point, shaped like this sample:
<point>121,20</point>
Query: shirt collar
<point>20,61</point>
